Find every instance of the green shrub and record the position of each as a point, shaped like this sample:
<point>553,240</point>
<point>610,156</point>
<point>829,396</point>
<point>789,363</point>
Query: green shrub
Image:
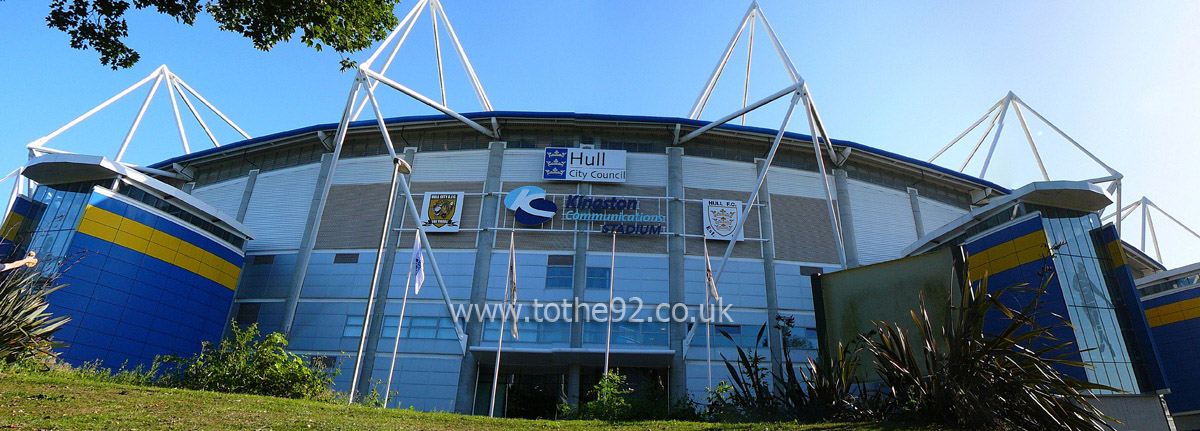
<point>250,364</point>
<point>25,326</point>
<point>610,404</point>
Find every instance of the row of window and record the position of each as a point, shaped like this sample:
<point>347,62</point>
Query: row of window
<point>422,328</point>
<point>1169,285</point>
<point>635,333</point>
<point>560,274</point>
<point>631,333</point>
<point>179,213</point>
<point>295,154</point>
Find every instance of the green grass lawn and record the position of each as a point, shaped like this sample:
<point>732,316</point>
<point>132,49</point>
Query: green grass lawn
<point>32,401</point>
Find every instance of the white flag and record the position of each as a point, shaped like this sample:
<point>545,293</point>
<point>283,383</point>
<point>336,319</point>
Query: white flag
<point>512,282</point>
<point>418,264</point>
<point>708,275</point>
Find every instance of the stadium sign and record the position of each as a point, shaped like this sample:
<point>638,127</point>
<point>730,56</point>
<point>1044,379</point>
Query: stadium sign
<point>610,211</point>
<point>584,164</point>
<point>530,206</point>
<point>441,211</point>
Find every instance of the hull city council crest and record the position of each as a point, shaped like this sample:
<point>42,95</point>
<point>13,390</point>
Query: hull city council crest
<point>721,218</point>
<point>442,211</point>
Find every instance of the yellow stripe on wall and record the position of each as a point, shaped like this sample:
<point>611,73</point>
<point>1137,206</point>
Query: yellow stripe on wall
<point>1117,253</point>
<point>1008,255</point>
<point>1171,313</point>
<point>128,233</point>
<point>11,225</point>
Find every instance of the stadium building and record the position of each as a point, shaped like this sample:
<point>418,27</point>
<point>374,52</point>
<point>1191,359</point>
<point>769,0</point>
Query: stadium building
<point>309,232</point>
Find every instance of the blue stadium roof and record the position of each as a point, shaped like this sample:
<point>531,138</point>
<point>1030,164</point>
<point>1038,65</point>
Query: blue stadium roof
<point>578,116</point>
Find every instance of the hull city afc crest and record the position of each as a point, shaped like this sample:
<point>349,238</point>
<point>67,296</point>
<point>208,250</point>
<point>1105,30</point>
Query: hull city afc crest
<point>721,218</point>
<point>441,211</point>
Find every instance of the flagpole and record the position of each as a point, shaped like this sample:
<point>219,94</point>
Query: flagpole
<point>399,327</point>
<point>611,281</point>
<point>503,317</point>
<point>708,308</point>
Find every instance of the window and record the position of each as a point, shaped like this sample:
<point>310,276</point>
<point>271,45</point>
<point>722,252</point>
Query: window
<point>745,337</point>
<point>390,323</point>
<point>597,278</point>
<point>247,313</point>
<point>322,361</point>
<point>439,328</point>
<point>155,202</point>
<point>345,258</point>
<point>354,326</point>
<point>430,328</point>
<point>264,259</point>
<point>530,332</point>
<point>648,333</point>
<point>560,272</point>
<point>802,339</point>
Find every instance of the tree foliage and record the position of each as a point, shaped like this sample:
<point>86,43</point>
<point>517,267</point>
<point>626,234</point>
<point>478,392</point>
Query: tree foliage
<point>343,25</point>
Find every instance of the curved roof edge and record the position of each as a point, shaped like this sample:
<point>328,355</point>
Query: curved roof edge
<point>582,116</point>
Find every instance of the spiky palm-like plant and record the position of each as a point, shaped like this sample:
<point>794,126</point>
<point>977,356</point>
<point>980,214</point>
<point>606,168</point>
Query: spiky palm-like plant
<point>957,374</point>
<point>25,326</point>
<point>824,389</point>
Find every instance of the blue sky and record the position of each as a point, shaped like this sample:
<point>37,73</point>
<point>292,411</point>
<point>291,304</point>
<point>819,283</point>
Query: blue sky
<point>1120,78</point>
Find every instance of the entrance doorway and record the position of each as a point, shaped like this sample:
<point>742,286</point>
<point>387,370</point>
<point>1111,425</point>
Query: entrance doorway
<point>522,395</point>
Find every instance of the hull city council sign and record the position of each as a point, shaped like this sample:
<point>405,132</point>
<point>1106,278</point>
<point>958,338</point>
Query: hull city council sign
<point>584,164</point>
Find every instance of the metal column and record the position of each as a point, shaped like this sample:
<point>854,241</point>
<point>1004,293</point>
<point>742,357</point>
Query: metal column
<point>247,193</point>
<point>846,218</point>
<point>468,370</point>
<point>251,179</point>
<point>304,255</point>
<point>767,230</point>
<point>385,280</point>
<point>579,282</point>
<point>675,275</point>
<point>914,199</point>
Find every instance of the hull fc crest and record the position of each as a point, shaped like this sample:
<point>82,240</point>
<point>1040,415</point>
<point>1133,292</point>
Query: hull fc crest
<point>721,219</point>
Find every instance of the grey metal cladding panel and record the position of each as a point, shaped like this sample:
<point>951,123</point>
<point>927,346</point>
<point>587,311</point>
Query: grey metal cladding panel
<point>693,215</point>
<point>632,243</point>
<point>555,241</point>
<point>464,239</point>
<point>279,208</point>
<point>802,229</point>
<point>353,216</point>
<point>225,196</point>
<point>551,187</point>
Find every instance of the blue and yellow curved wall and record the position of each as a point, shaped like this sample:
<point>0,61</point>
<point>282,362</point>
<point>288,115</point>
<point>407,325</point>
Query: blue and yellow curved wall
<point>1175,321</point>
<point>140,283</point>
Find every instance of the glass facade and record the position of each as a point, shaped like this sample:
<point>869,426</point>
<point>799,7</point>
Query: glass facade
<point>643,333</point>
<point>1169,285</point>
<point>52,220</point>
<point>1088,297</point>
<point>529,331</point>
